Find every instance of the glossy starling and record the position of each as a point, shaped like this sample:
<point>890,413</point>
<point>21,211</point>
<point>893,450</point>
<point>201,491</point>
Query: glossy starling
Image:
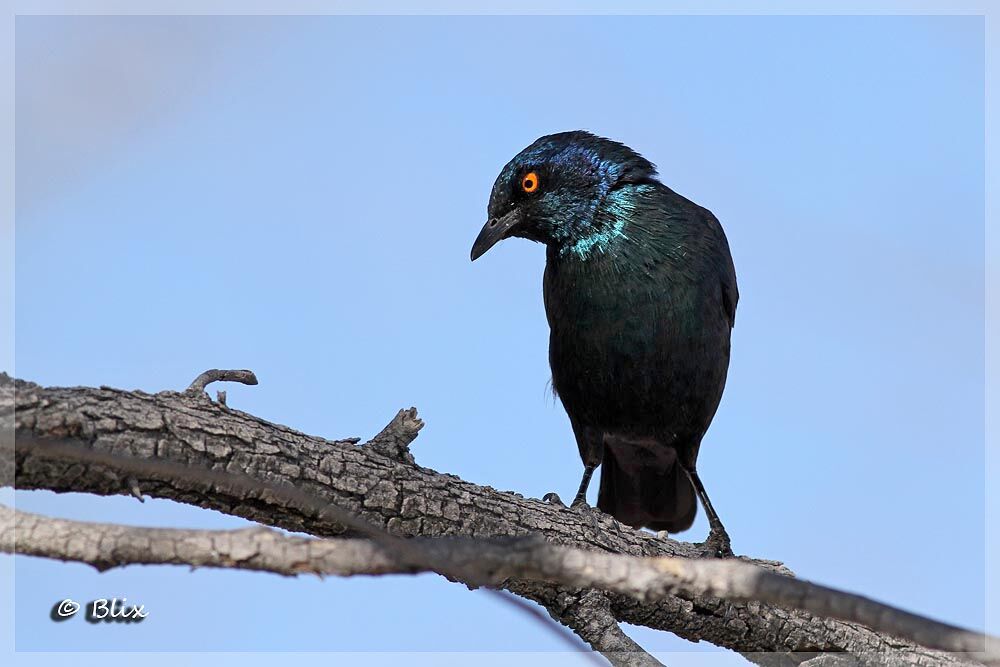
<point>640,294</point>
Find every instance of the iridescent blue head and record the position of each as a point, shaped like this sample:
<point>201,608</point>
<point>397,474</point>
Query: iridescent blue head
<point>553,190</point>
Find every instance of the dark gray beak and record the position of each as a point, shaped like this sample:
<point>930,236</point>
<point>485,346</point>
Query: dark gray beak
<point>494,231</point>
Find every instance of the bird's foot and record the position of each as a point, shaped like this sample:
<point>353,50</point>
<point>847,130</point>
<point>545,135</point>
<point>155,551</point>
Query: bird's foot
<point>553,498</point>
<point>717,545</point>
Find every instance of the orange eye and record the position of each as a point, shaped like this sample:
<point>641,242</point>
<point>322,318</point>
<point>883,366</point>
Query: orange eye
<point>530,182</point>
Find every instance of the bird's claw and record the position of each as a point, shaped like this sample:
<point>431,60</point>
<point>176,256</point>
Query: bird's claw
<point>717,546</point>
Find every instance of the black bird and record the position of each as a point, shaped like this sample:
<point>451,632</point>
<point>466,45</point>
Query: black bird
<point>640,294</point>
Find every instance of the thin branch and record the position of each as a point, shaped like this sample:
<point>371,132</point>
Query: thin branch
<point>475,561</point>
<point>589,614</point>
<point>533,612</point>
<point>218,375</point>
<point>105,546</point>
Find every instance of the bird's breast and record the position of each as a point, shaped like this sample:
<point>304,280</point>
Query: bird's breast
<point>629,350</point>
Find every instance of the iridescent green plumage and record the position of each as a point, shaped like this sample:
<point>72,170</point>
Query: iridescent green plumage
<point>640,294</point>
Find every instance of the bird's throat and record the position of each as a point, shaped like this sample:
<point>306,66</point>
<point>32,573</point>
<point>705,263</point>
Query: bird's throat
<point>601,240</point>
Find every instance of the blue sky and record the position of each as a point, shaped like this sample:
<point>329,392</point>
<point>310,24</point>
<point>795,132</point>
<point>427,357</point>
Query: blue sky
<point>298,196</point>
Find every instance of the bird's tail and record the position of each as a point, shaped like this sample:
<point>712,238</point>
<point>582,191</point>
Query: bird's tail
<point>646,487</point>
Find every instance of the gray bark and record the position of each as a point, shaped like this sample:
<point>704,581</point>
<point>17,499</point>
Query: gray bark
<point>381,485</point>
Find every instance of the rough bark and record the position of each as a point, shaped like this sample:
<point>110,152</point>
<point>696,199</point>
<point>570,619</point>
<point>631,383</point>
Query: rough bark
<point>491,562</point>
<point>589,614</point>
<point>383,486</point>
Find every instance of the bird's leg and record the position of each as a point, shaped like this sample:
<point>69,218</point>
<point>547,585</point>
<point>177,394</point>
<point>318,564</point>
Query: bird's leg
<point>580,501</point>
<point>581,494</point>
<point>717,544</point>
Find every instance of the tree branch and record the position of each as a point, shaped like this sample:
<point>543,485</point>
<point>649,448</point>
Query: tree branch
<point>105,546</point>
<point>588,613</point>
<point>404,498</point>
<point>217,375</point>
<point>491,562</point>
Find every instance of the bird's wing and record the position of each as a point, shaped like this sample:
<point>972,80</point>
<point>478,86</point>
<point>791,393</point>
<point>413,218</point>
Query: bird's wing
<point>726,269</point>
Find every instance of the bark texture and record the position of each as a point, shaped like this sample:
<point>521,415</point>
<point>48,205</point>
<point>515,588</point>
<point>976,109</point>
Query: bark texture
<point>381,484</point>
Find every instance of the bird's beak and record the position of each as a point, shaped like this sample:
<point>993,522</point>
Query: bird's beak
<point>495,230</point>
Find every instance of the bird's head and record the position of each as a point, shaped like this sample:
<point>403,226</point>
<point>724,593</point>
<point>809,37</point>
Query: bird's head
<point>552,190</point>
